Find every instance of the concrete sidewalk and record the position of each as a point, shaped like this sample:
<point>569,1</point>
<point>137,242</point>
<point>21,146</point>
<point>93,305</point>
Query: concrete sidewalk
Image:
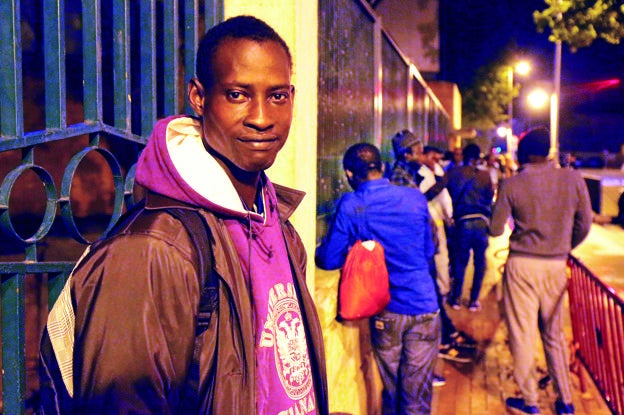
<point>603,254</point>
<point>481,387</point>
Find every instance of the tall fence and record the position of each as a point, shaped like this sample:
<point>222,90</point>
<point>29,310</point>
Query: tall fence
<point>82,84</point>
<point>598,328</point>
<point>368,90</point>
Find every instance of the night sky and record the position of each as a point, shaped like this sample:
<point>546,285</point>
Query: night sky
<point>477,32</point>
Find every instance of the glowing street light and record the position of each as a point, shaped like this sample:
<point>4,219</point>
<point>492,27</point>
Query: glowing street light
<point>538,98</point>
<point>523,68</point>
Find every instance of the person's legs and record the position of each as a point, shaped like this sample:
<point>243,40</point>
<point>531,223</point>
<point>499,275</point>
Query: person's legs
<point>448,327</point>
<point>442,261</point>
<point>551,327</point>
<point>461,256</point>
<point>386,333</point>
<point>521,306</point>
<point>479,246</point>
<point>421,342</point>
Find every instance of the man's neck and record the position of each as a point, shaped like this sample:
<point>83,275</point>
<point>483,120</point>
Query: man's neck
<point>245,183</point>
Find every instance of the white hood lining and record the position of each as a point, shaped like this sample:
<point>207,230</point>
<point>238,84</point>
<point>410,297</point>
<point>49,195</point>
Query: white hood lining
<point>197,167</point>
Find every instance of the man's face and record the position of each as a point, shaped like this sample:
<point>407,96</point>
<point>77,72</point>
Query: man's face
<point>431,158</point>
<point>416,154</point>
<point>458,156</point>
<point>247,112</point>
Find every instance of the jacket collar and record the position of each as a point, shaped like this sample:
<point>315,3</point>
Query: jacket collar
<point>287,201</point>
<point>371,184</point>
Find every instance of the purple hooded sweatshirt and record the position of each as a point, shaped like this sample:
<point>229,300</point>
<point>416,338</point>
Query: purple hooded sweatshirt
<point>176,164</point>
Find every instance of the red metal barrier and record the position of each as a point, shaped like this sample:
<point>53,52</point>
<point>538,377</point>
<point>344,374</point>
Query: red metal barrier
<point>598,327</point>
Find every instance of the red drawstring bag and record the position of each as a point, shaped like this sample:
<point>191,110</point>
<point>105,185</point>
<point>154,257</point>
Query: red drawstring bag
<point>363,290</point>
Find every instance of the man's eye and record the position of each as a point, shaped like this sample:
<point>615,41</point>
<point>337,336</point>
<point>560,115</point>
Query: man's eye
<point>280,96</point>
<point>235,95</point>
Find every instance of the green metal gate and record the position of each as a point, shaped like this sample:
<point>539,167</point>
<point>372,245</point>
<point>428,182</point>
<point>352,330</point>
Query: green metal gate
<point>82,84</point>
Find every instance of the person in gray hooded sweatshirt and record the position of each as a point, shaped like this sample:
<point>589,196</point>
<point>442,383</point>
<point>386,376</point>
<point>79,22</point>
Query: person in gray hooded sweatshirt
<point>551,214</point>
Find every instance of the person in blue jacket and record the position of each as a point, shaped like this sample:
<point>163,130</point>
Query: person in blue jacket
<point>406,335</point>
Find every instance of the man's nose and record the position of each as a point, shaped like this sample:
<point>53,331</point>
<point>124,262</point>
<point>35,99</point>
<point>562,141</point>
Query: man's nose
<point>259,115</point>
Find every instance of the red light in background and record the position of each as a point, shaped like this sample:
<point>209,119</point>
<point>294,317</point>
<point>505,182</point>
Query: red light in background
<point>600,85</point>
<point>592,87</point>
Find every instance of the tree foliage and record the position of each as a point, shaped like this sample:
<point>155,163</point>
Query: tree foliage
<point>485,103</point>
<point>579,22</point>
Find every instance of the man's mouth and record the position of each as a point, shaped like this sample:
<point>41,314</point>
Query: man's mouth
<point>259,143</point>
<point>264,139</point>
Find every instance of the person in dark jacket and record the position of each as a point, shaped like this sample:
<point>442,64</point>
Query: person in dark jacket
<point>135,299</point>
<point>472,192</point>
<point>406,335</point>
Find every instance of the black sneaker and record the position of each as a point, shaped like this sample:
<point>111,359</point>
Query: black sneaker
<point>438,380</point>
<point>455,354</point>
<point>461,339</point>
<point>518,406</point>
<point>564,408</point>
<point>474,306</point>
<point>453,303</point>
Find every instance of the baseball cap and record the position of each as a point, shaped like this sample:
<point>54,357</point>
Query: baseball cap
<point>402,141</point>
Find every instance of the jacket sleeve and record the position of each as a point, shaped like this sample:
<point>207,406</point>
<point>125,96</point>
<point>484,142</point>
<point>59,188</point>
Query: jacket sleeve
<point>501,212</point>
<point>583,214</point>
<point>135,301</point>
<point>332,251</point>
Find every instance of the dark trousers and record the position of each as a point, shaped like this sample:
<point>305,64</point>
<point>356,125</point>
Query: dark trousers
<point>468,236</point>
<point>448,327</point>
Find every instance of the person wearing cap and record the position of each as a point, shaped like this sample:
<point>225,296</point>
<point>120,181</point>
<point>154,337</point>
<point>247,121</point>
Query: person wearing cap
<point>405,336</point>
<point>408,152</point>
<point>551,213</point>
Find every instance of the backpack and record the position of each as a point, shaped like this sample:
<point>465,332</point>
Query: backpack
<point>56,353</point>
<point>363,290</point>
<point>364,287</point>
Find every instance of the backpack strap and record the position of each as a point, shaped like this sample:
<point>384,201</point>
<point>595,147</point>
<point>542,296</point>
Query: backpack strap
<point>201,236</point>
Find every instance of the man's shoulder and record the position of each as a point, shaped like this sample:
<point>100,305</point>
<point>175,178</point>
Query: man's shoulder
<point>406,194</point>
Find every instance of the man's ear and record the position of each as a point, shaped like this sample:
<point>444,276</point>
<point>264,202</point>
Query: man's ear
<point>349,174</point>
<point>196,95</point>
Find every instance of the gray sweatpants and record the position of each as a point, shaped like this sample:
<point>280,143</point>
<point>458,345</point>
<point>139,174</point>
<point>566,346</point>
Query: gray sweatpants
<point>533,294</point>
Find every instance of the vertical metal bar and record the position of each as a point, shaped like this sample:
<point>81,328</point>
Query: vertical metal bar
<point>171,57</point>
<point>121,64</point>
<point>410,98</point>
<point>92,59</point>
<point>213,12</point>
<point>54,61</point>
<point>191,38</point>
<point>148,66</point>
<point>13,344</point>
<point>426,111</point>
<point>378,84</point>
<point>11,108</point>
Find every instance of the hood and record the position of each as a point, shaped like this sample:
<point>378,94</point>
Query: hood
<point>176,164</point>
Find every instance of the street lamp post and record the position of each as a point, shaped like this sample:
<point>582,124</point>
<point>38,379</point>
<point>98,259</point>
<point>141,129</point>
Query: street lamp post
<point>511,150</point>
<point>554,104</point>
<point>522,68</point>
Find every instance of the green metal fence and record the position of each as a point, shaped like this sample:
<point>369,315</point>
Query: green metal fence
<point>82,84</point>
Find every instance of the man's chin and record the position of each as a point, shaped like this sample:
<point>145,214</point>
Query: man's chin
<point>257,166</point>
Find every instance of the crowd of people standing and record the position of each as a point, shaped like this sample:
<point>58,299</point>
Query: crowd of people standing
<point>432,213</point>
